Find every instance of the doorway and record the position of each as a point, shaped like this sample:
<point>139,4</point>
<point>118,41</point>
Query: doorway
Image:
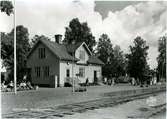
<point>95,77</point>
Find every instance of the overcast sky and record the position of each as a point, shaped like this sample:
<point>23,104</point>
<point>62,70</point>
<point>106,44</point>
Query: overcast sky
<point>122,21</point>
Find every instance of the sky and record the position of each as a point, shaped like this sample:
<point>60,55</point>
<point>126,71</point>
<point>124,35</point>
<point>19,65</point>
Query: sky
<point>123,21</point>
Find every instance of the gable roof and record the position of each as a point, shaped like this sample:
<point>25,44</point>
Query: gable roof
<point>63,51</point>
<point>95,60</point>
<point>71,48</point>
<point>57,49</point>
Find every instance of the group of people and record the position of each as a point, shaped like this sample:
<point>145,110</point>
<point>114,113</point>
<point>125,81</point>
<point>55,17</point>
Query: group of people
<point>132,81</point>
<point>148,81</point>
<point>8,87</point>
<point>25,86</point>
<point>22,86</point>
<point>109,81</point>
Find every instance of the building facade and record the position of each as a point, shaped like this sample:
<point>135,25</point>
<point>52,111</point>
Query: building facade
<point>53,63</point>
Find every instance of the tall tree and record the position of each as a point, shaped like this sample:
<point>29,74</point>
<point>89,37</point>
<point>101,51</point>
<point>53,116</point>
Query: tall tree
<point>105,53</point>
<point>7,7</point>
<point>137,59</point>
<point>78,32</point>
<point>119,61</point>
<point>162,57</point>
<point>22,48</point>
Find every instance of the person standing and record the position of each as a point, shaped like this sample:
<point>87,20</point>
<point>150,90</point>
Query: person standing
<point>87,82</point>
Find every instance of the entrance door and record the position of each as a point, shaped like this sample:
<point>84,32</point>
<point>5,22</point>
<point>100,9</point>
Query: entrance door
<point>95,77</point>
<point>68,80</point>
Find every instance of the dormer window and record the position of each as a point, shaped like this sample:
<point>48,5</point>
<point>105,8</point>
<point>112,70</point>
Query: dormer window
<point>41,53</point>
<point>82,55</point>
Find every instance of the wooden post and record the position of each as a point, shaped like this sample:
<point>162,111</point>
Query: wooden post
<point>55,77</point>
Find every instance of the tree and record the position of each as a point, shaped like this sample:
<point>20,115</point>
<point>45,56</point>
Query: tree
<point>105,53</point>
<point>113,58</point>
<point>7,53</point>
<point>119,61</point>
<point>22,49</point>
<point>7,44</point>
<point>7,7</point>
<point>137,59</point>
<point>36,38</point>
<point>78,32</point>
<point>162,57</point>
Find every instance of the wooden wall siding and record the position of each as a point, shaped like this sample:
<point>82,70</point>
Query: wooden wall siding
<point>51,60</point>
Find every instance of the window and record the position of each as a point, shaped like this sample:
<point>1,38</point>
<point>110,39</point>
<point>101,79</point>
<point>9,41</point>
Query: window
<point>82,55</point>
<point>67,73</point>
<point>37,71</point>
<point>46,71</point>
<point>82,72</point>
<point>41,53</point>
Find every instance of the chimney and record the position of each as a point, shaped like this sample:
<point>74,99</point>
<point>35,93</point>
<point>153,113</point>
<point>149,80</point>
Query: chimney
<point>58,38</point>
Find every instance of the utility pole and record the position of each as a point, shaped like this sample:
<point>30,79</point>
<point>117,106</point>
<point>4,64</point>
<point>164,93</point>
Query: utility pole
<point>73,87</point>
<point>15,81</point>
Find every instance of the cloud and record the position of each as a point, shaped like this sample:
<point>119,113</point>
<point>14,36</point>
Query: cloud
<point>103,7</point>
<point>145,19</point>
